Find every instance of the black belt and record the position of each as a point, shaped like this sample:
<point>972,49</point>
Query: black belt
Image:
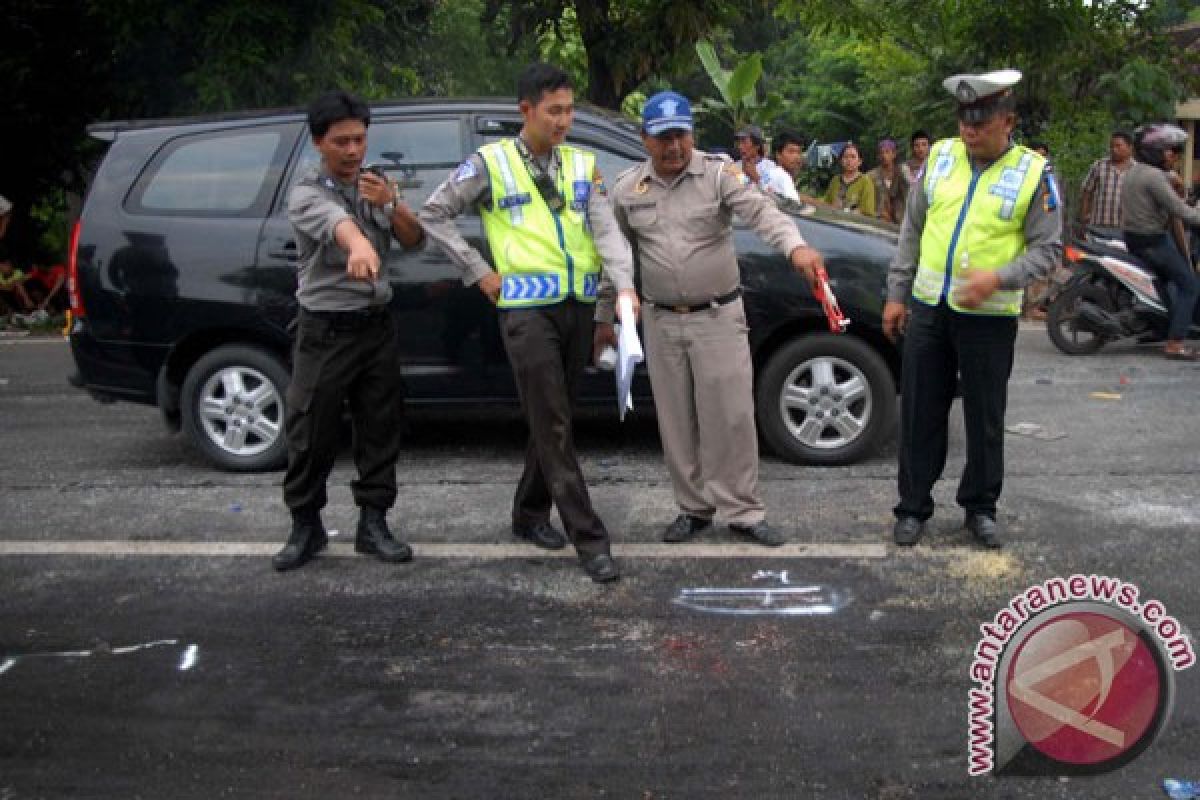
<point>716,302</point>
<point>350,320</point>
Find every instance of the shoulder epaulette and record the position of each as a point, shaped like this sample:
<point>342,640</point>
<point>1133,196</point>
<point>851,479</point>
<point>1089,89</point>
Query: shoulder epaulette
<point>625,173</point>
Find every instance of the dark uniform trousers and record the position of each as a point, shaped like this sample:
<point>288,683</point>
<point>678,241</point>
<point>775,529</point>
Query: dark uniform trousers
<point>343,356</point>
<point>939,345</point>
<point>548,348</point>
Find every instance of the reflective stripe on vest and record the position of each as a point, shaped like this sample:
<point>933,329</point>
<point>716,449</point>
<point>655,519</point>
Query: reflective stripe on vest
<point>512,200</point>
<point>542,257</point>
<point>979,218</point>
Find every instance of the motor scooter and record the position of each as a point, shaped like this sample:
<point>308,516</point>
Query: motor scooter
<point>1110,295</point>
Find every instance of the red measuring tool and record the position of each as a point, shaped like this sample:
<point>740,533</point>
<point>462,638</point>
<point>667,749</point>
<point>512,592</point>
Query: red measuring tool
<point>838,322</point>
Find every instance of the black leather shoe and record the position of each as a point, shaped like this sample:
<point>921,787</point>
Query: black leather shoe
<point>600,568</point>
<point>985,530</point>
<point>307,538</point>
<point>542,534</point>
<point>685,527</point>
<point>907,530</point>
<point>374,538</point>
<point>760,532</point>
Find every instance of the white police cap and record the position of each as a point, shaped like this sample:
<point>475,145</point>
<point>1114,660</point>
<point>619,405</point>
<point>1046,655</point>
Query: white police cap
<point>970,89</point>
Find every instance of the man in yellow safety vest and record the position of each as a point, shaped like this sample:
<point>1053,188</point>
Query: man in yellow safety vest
<point>550,230</point>
<point>983,222</point>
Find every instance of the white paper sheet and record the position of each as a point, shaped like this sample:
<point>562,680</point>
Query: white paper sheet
<point>629,355</point>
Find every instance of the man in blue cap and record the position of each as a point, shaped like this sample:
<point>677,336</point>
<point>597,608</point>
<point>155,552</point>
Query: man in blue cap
<point>677,209</point>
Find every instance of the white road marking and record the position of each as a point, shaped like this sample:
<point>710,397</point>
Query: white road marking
<point>33,340</point>
<point>480,552</point>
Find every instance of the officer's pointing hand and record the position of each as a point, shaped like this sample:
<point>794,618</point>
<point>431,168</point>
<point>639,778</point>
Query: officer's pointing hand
<point>978,286</point>
<point>362,263</point>
<point>490,285</point>
<point>806,260</point>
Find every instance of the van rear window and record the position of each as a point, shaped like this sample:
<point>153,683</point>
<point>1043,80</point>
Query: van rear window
<point>214,173</point>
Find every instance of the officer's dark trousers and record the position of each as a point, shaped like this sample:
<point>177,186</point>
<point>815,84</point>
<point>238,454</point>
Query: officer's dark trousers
<point>548,348</point>
<point>343,357</point>
<point>939,344</point>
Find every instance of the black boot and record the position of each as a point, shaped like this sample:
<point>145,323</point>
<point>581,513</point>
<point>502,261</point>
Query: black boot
<point>375,539</point>
<point>307,538</point>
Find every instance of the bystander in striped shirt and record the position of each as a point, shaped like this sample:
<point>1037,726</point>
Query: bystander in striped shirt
<point>1103,182</point>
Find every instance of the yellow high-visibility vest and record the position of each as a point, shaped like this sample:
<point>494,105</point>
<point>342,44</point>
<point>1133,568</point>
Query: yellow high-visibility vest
<point>974,221</point>
<point>543,257</point>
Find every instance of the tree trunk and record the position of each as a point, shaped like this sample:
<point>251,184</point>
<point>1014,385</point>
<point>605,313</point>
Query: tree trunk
<point>595,29</point>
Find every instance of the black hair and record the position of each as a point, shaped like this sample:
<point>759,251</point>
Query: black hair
<point>784,138</point>
<point>919,134</point>
<point>1124,136</point>
<point>333,107</point>
<point>538,78</point>
<point>1036,145</point>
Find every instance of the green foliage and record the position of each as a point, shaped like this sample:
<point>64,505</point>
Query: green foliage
<point>873,67</point>
<point>71,63</point>
<point>461,58</point>
<point>739,103</point>
<point>50,214</point>
<point>1075,141</point>
<point>1138,92</point>
<point>633,104</point>
<point>626,42</point>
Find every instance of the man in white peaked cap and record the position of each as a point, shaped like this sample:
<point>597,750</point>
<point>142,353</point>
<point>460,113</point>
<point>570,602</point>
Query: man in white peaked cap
<point>982,223</point>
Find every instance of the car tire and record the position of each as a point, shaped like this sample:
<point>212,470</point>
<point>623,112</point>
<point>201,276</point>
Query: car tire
<point>1060,320</point>
<point>825,399</point>
<point>233,408</point>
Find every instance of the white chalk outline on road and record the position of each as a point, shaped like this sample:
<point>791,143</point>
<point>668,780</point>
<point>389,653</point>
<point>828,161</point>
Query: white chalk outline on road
<point>481,552</point>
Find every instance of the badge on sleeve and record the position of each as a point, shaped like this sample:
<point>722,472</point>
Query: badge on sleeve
<point>736,172</point>
<point>1050,196</point>
<point>466,171</point>
<point>598,186</point>
<point>582,193</point>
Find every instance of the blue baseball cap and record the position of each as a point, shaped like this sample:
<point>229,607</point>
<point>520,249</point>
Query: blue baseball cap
<point>666,111</point>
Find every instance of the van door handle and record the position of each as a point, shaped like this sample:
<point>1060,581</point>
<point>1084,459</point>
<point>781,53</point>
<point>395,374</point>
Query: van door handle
<point>286,251</point>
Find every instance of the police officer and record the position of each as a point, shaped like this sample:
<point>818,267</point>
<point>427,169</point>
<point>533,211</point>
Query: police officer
<point>982,222</point>
<point>345,347</point>
<point>677,209</point>
<point>550,229</point>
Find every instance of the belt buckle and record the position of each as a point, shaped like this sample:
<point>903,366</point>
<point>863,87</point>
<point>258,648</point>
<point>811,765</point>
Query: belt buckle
<point>681,309</point>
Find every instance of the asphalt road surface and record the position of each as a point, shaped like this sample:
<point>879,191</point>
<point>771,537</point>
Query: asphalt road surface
<point>147,649</point>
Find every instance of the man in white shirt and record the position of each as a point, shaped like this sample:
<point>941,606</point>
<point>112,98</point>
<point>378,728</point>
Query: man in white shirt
<point>758,169</point>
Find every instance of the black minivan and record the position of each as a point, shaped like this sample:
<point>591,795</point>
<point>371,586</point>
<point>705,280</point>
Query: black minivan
<point>182,276</point>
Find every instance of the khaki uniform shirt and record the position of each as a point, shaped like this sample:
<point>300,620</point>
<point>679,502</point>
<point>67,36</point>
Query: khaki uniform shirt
<point>682,229</point>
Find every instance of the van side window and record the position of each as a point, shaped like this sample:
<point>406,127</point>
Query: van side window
<point>209,174</point>
<point>418,153</point>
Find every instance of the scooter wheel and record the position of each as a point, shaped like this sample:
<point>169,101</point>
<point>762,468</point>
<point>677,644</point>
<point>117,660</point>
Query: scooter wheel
<point>1063,323</point>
